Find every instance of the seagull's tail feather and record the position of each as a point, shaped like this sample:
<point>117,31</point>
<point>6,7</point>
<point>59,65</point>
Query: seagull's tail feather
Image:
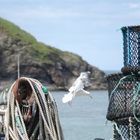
<point>67,98</point>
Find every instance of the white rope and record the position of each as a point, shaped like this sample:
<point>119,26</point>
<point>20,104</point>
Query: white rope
<point>119,131</point>
<point>41,111</point>
<point>38,84</point>
<point>14,137</point>
<point>2,111</point>
<point>6,121</point>
<point>21,118</point>
<point>51,124</point>
<point>13,114</point>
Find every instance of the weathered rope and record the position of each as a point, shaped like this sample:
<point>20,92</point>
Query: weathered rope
<point>118,130</point>
<point>41,111</point>
<point>135,94</point>
<point>48,121</point>
<point>7,121</point>
<point>120,81</point>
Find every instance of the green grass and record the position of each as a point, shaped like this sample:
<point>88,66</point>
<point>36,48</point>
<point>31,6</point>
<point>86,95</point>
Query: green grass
<point>43,52</point>
<point>15,32</point>
<point>39,51</point>
<point>71,57</point>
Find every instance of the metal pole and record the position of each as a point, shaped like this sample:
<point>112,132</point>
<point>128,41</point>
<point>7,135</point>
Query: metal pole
<point>18,65</point>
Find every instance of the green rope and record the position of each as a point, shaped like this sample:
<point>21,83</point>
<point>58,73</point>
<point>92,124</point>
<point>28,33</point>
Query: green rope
<point>120,81</point>
<point>135,94</point>
<point>18,123</point>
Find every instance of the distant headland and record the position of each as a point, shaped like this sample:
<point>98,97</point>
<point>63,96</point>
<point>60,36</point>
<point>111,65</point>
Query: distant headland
<point>56,68</point>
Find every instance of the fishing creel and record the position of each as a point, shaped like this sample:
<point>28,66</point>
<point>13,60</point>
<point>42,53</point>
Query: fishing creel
<point>124,96</point>
<point>131,49</point>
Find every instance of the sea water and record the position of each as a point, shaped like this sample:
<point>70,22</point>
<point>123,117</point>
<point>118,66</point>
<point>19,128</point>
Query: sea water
<point>85,118</point>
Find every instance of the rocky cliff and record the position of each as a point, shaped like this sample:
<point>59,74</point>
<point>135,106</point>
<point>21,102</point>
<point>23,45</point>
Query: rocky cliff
<point>58,69</point>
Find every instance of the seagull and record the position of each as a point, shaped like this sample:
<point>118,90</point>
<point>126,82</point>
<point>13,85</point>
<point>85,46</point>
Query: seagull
<point>78,87</point>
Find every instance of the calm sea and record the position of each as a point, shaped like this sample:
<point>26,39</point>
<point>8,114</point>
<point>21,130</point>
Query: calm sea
<point>85,119</point>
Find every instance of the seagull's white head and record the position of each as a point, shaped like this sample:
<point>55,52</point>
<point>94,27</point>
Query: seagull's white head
<point>84,76</point>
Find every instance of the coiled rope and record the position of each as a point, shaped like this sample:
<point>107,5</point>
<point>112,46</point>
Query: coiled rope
<point>46,125</point>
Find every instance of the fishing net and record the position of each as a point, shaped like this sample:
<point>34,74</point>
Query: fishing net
<point>126,129</point>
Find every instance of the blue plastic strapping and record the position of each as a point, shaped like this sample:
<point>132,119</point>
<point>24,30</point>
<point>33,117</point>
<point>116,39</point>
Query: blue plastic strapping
<point>128,46</point>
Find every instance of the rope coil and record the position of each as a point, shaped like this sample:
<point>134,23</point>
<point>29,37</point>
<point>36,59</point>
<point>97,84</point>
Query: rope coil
<point>27,122</point>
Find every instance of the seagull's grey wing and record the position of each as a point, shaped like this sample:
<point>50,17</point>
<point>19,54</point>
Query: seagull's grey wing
<point>77,86</point>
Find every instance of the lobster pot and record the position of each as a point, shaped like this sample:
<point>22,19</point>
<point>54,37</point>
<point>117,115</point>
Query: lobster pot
<point>131,43</point>
<point>124,101</point>
<point>129,129</point>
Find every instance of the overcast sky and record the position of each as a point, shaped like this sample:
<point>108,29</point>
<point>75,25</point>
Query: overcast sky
<point>90,28</point>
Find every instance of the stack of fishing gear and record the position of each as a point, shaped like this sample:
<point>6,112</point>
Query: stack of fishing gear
<point>124,89</point>
<point>29,112</point>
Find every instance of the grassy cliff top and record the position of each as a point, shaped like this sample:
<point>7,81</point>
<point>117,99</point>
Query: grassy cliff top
<point>15,32</point>
<point>38,50</point>
<point>41,61</point>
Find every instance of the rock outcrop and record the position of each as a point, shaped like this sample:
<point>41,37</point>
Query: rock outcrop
<point>58,69</point>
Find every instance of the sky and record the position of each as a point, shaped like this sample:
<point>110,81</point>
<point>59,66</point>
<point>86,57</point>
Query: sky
<point>89,28</point>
